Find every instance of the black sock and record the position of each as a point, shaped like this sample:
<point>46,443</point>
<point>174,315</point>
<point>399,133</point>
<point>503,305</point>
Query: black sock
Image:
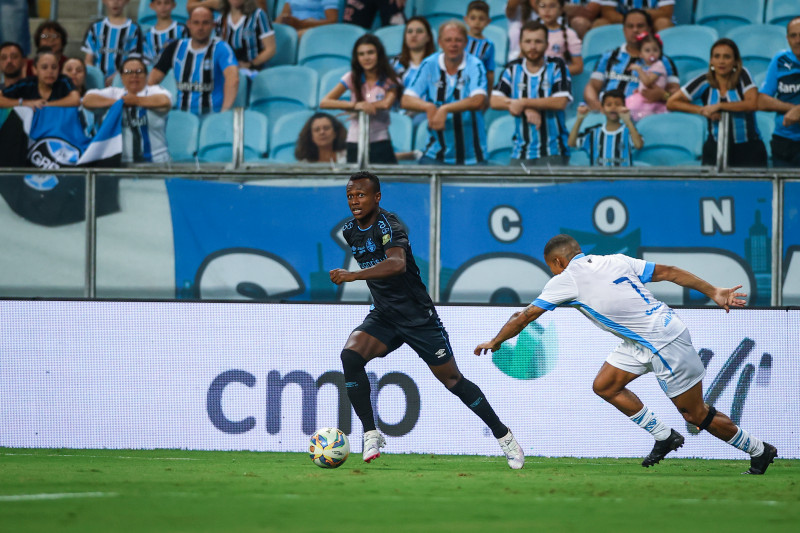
<point>358,390</point>
<point>472,396</point>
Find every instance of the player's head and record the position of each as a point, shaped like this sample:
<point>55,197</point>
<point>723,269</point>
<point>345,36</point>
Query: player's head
<point>364,195</point>
<point>559,251</point>
<point>793,35</point>
<point>477,17</point>
<point>533,40</point>
<point>612,102</point>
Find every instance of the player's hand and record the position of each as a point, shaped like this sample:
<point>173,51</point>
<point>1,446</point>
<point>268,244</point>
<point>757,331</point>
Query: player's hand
<point>792,116</point>
<point>534,117</point>
<point>652,94</point>
<point>340,275</point>
<point>624,114</point>
<point>487,347</point>
<point>727,298</point>
<point>516,107</point>
<point>438,121</point>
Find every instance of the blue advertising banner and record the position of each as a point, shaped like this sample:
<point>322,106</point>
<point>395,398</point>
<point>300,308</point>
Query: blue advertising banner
<point>493,236</point>
<point>277,240</point>
<point>791,243</point>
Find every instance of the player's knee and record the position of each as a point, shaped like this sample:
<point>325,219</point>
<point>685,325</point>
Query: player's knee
<point>451,379</point>
<point>352,361</point>
<point>601,388</point>
<point>699,416</point>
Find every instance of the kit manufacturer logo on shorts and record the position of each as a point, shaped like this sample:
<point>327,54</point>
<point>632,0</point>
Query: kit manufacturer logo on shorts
<point>441,353</point>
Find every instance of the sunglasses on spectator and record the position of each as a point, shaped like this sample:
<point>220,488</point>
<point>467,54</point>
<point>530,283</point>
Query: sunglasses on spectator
<point>138,72</point>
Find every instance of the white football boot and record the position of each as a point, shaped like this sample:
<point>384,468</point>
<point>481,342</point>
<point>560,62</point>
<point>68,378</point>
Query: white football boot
<point>373,442</point>
<point>510,447</point>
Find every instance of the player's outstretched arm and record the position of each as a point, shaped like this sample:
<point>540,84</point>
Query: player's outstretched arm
<point>723,297</point>
<point>512,328</point>
<point>394,264</point>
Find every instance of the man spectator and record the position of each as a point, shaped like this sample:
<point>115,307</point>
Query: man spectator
<point>205,68</point>
<point>450,87</point>
<point>12,63</point>
<point>781,92</point>
<point>614,68</point>
<point>613,11</point>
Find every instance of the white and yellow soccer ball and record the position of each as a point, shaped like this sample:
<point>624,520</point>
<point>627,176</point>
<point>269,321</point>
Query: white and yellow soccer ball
<point>329,448</point>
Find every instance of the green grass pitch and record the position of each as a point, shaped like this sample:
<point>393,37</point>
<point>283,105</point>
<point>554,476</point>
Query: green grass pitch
<point>189,491</point>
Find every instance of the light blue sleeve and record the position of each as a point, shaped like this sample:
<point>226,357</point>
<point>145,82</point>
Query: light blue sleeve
<point>419,86</point>
<point>224,56</point>
<point>477,78</point>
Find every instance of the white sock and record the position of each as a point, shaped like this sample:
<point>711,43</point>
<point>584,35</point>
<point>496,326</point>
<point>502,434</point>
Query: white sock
<point>647,419</point>
<point>747,443</point>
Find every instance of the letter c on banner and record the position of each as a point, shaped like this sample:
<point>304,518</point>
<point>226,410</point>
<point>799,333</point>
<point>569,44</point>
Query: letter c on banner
<point>505,223</point>
<point>610,216</point>
<point>214,401</point>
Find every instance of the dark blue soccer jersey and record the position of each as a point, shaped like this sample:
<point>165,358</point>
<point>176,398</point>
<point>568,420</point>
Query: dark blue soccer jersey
<point>110,44</point>
<point>403,298</point>
<point>783,82</point>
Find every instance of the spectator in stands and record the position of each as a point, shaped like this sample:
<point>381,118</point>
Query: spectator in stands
<point>12,64</point>
<point>562,41</point>
<point>109,40</point>
<point>579,15</point>
<point>75,70</point>
<point>45,88</point>
<point>374,88</point>
<point>727,86</point>
<point>322,140</point>
<point>205,69</point>
<point>14,24</point>
<point>651,74</point>
<point>612,144</point>
<point>450,87</point>
<point>417,45</point>
<point>248,30</point>
<point>614,69</point>
<point>476,20</point>
<point>305,14</point>
<point>536,89</point>
<point>781,93</point>
<point>164,32</point>
<point>363,13</point>
<point>613,11</point>
<point>144,119</point>
<point>50,34</point>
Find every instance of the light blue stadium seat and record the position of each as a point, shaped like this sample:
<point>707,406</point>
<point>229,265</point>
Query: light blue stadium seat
<point>671,139</point>
<point>330,79</point>
<point>765,121</point>
<point>686,77</point>
<point>438,11</point>
<point>147,17</point>
<point>242,91</point>
<point>94,78</point>
<point>592,119</point>
<point>278,8</point>
<point>598,41</point>
<point>491,115</point>
<point>499,140</point>
<point>392,38</point>
<point>758,43</point>
<point>285,89</point>
<point>169,84</point>
<point>578,158</point>
<point>215,143</point>
<point>285,46</point>
<point>421,136</point>
<point>256,136</point>
<point>780,12</point>
<point>401,130</point>
<point>724,15</point>
<point>284,135</point>
<point>182,132</point>
<point>326,47</point>
<point>689,46</point>
<point>499,39</point>
<point>759,78</point>
<point>578,85</point>
<point>497,13</point>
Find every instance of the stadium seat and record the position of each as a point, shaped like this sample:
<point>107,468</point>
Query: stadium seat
<point>330,79</point>
<point>277,9</point>
<point>285,89</point>
<point>758,43</point>
<point>182,132</point>
<point>215,143</point>
<point>499,39</point>
<point>598,41</point>
<point>147,17</point>
<point>284,135</point>
<point>499,141</point>
<point>726,15</point>
<point>497,13</point>
<point>285,46</point>
<point>759,78</point>
<point>256,136</point>
<point>242,91</point>
<point>490,115</point>
<point>671,139</point>
<point>316,51</point>
<point>688,76</point>
<point>392,38</point>
<point>401,130</point>
<point>780,12</point>
<point>689,46</point>
<point>421,136</point>
<point>765,121</point>
<point>438,11</point>
<point>94,78</point>
<point>578,158</point>
<point>169,84</point>
<point>592,119</point>
<point>578,85</point>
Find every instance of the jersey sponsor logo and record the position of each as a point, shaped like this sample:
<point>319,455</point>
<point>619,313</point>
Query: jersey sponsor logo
<point>137,122</point>
<point>622,77</point>
<point>788,88</point>
<point>371,245</point>
<point>194,86</point>
<point>372,262</point>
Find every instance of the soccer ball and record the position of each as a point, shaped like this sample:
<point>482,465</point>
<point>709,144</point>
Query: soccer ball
<point>329,448</point>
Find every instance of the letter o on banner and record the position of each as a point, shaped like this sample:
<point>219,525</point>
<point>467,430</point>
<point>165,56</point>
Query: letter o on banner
<point>411,415</point>
<point>610,216</point>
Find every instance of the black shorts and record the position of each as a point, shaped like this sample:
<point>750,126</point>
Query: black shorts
<point>430,340</point>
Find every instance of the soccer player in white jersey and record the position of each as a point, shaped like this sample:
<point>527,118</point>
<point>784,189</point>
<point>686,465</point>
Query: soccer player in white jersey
<point>609,289</point>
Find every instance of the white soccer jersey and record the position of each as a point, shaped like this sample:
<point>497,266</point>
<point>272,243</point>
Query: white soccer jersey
<point>609,289</point>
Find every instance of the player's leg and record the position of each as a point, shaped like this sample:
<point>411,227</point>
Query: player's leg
<point>696,412</point>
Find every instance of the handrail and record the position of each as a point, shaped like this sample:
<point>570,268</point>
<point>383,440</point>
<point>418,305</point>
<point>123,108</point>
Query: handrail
<point>722,142</point>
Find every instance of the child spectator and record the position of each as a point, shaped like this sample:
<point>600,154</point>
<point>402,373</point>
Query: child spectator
<point>322,140</point>
<point>45,88</point>
<point>609,145</point>
<point>109,40</point>
<point>164,32</point>
<point>652,74</point>
<point>562,41</point>
<point>374,87</point>
<point>248,30</point>
<point>476,20</point>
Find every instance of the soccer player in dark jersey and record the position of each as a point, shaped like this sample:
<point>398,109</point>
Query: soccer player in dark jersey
<point>402,313</point>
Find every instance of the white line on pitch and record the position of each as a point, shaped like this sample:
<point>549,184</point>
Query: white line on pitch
<point>55,496</point>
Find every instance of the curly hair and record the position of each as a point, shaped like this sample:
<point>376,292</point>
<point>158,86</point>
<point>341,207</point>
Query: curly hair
<point>306,150</point>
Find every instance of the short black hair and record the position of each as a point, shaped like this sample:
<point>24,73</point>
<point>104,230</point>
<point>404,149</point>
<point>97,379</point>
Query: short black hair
<point>367,175</point>
<point>613,93</point>
<point>534,25</point>
<point>561,241</point>
<point>6,44</point>
<point>642,12</point>
<point>478,5</point>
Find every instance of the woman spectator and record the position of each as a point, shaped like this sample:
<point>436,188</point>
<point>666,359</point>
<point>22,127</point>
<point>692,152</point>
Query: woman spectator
<point>144,119</point>
<point>75,69</point>
<point>322,140</point>
<point>45,88</point>
<point>305,14</point>
<point>246,27</point>
<point>418,43</point>
<point>50,34</point>
<point>727,86</point>
<point>374,88</point>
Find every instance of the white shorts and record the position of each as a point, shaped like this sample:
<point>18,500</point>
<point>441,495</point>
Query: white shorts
<point>677,366</point>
